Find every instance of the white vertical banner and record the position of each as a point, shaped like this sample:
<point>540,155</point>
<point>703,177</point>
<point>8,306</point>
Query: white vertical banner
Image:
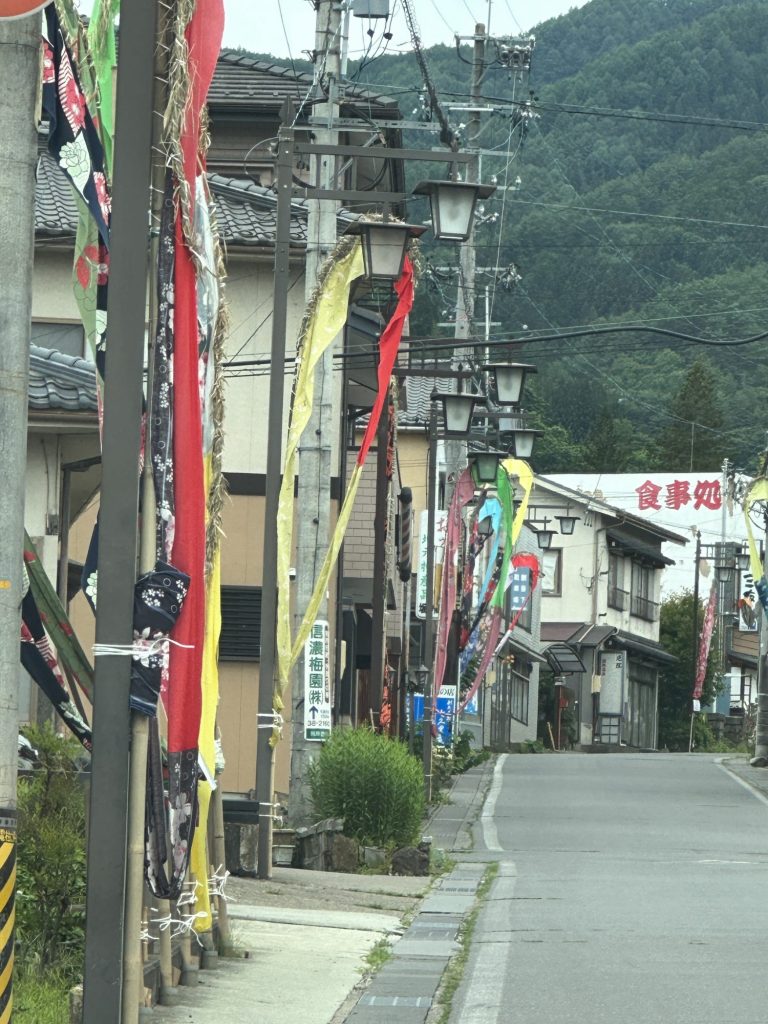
<point>317,682</point>
<point>441,525</point>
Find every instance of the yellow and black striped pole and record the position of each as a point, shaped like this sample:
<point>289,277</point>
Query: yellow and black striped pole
<point>7,910</point>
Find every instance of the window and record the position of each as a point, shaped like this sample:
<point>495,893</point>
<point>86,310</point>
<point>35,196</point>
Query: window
<point>240,638</point>
<point>519,590</point>
<point>617,595</point>
<point>551,565</point>
<point>643,605</point>
<point>519,697</point>
<point>68,338</point>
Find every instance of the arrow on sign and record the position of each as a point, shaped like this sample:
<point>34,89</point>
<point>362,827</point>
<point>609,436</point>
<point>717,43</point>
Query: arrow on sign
<point>313,712</point>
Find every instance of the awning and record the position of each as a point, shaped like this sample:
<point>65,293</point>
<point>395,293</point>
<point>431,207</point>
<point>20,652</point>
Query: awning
<point>648,648</point>
<point>518,640</point>
<point>618,539</point>
<point>563,659</point>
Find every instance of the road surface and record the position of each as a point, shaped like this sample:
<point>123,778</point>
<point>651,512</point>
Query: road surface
<point>632,889</point>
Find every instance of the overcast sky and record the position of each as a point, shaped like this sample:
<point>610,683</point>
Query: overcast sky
<point>257,26</point>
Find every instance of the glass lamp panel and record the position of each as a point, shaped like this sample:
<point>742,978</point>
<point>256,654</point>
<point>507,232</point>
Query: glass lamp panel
<point>458,413</point>
<point>485,466</point>
<point>384,249</point>
<point>524,443</point>
<point>544,539</point>
<point>509,384</point>
<point>453,208</point>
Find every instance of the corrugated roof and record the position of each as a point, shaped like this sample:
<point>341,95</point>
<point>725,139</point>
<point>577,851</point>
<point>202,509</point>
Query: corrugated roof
<point>60,381</point>
<point>244,81</point>
<point>418,392</point>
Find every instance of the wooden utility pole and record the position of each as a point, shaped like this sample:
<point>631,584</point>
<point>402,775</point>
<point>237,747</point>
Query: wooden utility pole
<point>19,77</point>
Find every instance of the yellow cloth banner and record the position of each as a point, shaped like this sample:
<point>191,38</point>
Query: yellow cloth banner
<point>199,860</point>
<point>524,473</point>
<point>326,321</point>
<point>757,492</point>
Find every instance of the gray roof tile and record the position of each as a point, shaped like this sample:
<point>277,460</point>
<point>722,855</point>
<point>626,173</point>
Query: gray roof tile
<point>246,212</point>
<point>60,381</point>
<point>244,81</point>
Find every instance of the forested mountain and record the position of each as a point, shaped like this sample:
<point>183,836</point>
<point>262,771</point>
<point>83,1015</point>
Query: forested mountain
<point>643,167</point>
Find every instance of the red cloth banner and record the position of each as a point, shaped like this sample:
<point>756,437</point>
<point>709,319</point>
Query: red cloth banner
<point>389,343</point>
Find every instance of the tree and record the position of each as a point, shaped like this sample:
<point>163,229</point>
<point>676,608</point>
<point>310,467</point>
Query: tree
<point>676,681</point>
<point>691,442</point>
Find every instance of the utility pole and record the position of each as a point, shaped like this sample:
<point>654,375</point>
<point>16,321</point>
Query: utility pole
<point>107,933</point>
<point>760,760</point>
<point>465,292</point>
<point>314,497</point>
<point>19,77</point>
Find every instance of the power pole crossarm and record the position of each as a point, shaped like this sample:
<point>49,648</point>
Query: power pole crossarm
<point>19,54</point>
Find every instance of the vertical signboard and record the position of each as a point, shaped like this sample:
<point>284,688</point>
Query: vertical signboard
<point>612,668</point>
<point>746,602</point>
<point>443,713</point>
<point>441,522</point>
<point>317,683</point>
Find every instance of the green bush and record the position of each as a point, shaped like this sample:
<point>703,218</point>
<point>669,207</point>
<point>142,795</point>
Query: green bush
<point>373,783</point>
<point>50,895</point>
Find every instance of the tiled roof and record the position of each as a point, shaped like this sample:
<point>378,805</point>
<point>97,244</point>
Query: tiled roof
<point>247,212</point>
<point>244,81</point>
<point>59,381</point>
<point>418,392</point>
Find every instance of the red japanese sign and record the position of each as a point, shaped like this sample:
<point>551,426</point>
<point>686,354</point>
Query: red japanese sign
<point>706,494</point>
<point>20,8</point>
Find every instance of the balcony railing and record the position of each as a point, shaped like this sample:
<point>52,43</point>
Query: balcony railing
<point>643,608</point>
<point>617,598</point>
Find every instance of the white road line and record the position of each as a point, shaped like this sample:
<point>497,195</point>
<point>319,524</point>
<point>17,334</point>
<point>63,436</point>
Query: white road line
<point>490,835</point>
<point>732,775</point>
<point>482,995</point>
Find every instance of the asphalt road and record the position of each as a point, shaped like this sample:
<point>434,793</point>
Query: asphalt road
<point>631,888</point>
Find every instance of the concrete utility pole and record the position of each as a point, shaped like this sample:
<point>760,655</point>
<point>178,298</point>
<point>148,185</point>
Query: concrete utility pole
<point>465,293</point>
<point>314,497</point>
<point>19,77</point>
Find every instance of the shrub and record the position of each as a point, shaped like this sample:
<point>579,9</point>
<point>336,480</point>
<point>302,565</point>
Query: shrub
<point>50,895</point>
<point>373,783</point>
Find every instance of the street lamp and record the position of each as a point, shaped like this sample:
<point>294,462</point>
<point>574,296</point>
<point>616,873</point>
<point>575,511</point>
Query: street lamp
<point>510,380</point>
<point>384,243</point>
<point>453,206</point>
<point>567,523</point>
<point>484,466</point>
<point>522,441</point>
<point>458,409</point>
<point>742,560</point>
<point>485,527</point>
<point>544,537</point>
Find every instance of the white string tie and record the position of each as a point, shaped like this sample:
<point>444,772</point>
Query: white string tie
<point>217,883</point>
<point>138,649</point>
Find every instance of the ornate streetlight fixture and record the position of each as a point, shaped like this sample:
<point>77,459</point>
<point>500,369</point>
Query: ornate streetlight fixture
<point>458,409</point>
<point>484,466</point>
<point>384,243</point>
<point>453,206</point>
<point>510,380</point>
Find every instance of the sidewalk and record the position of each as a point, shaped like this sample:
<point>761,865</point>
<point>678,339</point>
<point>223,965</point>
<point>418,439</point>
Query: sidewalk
<point>755,778</point>
<point>307,934</point>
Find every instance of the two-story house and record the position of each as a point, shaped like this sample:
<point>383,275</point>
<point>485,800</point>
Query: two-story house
<point>601,597</point>
<point>248,101</point>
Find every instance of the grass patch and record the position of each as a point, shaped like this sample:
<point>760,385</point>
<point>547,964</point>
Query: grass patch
<point>454,972</point>
<point>40,998</point>
<point>377,956</point>
<point>440,863</point>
